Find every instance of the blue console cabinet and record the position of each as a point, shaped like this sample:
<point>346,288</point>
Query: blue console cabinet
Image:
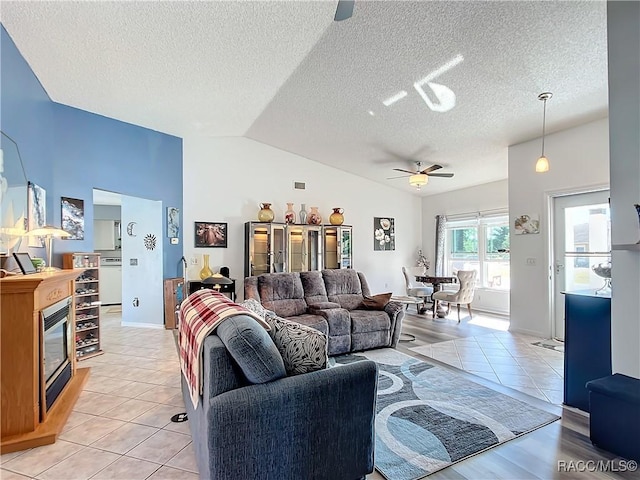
<point>587,344</point>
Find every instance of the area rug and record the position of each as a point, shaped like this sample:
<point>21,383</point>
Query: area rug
<point>429,417</point>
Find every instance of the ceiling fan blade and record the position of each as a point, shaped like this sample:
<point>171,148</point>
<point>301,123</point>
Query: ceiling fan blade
<point>405,171</point>
<point>431,168</point>
<point>344,10</point>
<point>444,175</point>
<point>401,176</point>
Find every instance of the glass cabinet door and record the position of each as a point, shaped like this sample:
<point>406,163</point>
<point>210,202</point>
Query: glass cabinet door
<point>345,247</point>
<point>337,247</point>
<point>331,248</point>
<point>296,248</point>
<point>314,247</point>
<point>265,248</point>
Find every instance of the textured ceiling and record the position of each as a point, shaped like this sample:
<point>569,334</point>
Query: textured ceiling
<point>286,74</point>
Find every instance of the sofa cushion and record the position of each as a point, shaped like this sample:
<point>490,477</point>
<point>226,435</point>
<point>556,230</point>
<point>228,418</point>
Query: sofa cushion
<point>303,349</point>
<point>363,321</point>
<point>343,287</point>
<point>282,293</point>
<point>312,320</point>
<point>313,285</point>
<point>252,348</point>
<point>376,302</point>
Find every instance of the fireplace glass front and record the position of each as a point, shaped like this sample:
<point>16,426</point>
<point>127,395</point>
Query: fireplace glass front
<point>57,349</point>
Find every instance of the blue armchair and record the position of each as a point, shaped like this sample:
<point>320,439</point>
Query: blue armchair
<point>317,425</point>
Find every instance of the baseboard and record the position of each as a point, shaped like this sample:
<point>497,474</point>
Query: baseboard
<point>143,325</point>
<point>524,331</point>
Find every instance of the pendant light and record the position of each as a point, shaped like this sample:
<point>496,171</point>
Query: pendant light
<point>542,165</point>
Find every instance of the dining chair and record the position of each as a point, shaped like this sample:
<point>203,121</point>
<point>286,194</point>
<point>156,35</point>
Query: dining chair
<point>464,295</point>
<point>417,289</point>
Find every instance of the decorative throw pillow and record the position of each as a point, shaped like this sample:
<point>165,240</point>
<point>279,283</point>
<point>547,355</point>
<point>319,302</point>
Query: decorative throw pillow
<point>256,307</point>
<point>303,349</point>
<point>376,302</point>
<point>250,345</point>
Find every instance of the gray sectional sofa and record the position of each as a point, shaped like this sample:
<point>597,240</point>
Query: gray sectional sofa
<point>331,301</point>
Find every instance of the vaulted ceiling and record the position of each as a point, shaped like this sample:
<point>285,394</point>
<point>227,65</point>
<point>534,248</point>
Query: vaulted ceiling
<point>460,79</point>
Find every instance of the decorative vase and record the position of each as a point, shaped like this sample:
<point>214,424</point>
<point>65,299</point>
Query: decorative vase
<point>303,213</point>
<point>289,215</point>
<point>337,217</point>
<point>265,214</point>
<point>206,271</point>
<point>314,217</point>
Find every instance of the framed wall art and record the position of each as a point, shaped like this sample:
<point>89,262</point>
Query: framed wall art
<point>384,233</point>
<point>72,217</point>
<point>36,200</point>
<point>210,234</point>
<point>173,222</point>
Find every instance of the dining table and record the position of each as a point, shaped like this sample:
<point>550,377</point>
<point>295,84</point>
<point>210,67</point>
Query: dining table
<point>437,281</point>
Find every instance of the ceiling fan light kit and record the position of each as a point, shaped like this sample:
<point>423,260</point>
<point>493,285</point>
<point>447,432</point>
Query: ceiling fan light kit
<point>542,165</point>
<point>418,180</point>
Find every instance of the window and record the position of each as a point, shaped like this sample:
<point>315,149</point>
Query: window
<point>481,244</point>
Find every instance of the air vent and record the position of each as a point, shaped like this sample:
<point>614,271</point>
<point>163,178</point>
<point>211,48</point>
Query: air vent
<point>299,185</point>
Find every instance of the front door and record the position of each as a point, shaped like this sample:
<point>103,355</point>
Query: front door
<point>582,240</point>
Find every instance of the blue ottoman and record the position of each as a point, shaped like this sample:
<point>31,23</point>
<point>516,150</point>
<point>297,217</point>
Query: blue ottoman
<point>614,423</point>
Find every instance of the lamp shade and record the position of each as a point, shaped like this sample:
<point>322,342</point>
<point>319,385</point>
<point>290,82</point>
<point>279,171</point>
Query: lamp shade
<point>418,180</point>
<point>542,165</point>
<point>48,231</point>
<point>217,279</point>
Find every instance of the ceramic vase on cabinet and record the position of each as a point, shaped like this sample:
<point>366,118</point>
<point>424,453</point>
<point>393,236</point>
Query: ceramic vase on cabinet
<point>206,271</point>
<point>303,214</point>
<point>337,217</point>
<point>289,215</point>
<point>265,214</point>
<point>314,217</point>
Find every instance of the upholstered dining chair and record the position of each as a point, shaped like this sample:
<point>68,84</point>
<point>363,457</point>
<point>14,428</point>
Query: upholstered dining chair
<point>416,289</point>
<point>464,295</point>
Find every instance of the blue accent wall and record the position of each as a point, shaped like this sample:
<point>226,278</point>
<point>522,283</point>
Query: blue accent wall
<point>69,152</point>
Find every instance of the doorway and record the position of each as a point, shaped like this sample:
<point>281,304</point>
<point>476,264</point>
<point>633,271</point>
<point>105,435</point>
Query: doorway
<point>581,241</point>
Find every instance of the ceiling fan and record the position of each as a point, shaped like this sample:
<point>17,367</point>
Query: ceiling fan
<point>344,10</point>
<point>420,176</point>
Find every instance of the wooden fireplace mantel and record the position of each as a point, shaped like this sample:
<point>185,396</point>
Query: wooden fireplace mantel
<point>25,421</point>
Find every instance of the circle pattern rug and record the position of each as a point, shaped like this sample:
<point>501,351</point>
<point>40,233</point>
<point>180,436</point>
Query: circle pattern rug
<point>429,417</point>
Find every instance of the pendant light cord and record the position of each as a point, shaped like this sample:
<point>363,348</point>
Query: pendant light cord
<point>544,121</point>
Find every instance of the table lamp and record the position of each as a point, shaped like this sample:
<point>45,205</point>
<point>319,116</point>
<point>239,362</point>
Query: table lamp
<point>48,232</point>
<point>217,280</point>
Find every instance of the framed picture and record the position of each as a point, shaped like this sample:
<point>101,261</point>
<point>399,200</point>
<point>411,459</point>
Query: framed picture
<point>384,233</point>
<point>37,199</point>
<point>173,222</point>
<point>210,234</point>
<point>526,224</point>
<point>72,217</point>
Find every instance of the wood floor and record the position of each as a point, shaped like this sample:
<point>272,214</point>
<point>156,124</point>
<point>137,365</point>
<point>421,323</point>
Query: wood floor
<point>561,450</point>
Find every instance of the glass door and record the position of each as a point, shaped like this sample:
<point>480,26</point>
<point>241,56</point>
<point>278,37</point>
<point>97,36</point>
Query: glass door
<point>296,248</point>
<point>582,242</point>
<point>331,248</point>
<point>345,247</point>
<point>314,247</point>
<point>266,248</point>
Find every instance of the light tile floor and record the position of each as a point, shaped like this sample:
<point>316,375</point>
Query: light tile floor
<point>506,358</point>
<point>120,428</point>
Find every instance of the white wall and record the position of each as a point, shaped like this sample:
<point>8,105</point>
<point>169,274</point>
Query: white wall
<point>579,160</point>
<point>623,22</point>
<point>490,196</point>
<point>225,180</point>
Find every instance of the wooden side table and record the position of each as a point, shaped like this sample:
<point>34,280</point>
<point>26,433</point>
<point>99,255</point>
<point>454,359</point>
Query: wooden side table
<point>230,289</point>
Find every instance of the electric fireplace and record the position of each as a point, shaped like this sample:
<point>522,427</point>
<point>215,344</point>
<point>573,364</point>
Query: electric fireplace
<point>57,349</point>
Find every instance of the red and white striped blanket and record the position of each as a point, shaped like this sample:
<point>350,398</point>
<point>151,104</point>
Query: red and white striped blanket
<point>199,316</point>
